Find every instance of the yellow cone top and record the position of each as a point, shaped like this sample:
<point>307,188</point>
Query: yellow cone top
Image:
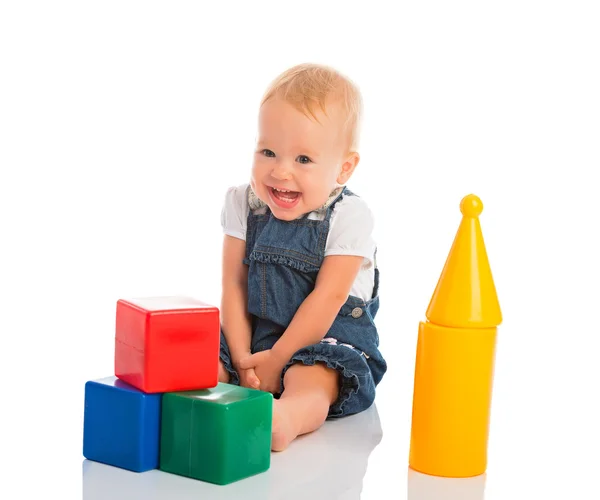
<point>465,295</point>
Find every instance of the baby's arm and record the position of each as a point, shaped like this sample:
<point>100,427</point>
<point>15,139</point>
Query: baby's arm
<point>314,317</point>
<point>235,319</point>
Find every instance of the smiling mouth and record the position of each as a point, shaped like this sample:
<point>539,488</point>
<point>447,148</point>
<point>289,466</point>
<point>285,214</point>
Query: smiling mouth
<point>283,197</point>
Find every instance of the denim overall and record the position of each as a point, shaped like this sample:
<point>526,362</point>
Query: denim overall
<point>284,258</point>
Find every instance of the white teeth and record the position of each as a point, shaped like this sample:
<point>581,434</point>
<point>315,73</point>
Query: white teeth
<point>284,195</point>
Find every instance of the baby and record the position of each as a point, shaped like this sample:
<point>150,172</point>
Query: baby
<point>300,279</point>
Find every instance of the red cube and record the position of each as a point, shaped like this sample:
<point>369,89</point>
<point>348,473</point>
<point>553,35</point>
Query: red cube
<point>166,344</point>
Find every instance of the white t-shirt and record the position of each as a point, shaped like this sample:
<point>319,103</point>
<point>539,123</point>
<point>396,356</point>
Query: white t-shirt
<point>350,232</point>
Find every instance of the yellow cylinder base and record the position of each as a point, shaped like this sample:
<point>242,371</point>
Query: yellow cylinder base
<point>451,401</point>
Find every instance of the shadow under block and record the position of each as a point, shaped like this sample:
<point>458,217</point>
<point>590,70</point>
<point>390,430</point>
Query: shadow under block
<point>121,425</point>
<point>166,344</point>
<point>218,435</point>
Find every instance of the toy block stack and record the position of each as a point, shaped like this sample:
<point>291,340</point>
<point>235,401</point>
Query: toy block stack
<point>455,359</point>
<point>164,408</point>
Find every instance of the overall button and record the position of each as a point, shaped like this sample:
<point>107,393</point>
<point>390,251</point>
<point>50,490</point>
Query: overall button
<point>357,312</point>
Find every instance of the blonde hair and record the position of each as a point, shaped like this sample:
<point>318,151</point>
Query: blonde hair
<point>310,86</point>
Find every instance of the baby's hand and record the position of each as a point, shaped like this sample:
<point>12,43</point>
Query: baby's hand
<point>267,368</point>
<point>248,378</point>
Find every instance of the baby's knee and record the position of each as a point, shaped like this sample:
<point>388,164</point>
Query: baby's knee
<point>317,376</point>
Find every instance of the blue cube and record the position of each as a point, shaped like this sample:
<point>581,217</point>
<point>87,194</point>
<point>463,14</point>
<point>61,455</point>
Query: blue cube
<point>121,425</point>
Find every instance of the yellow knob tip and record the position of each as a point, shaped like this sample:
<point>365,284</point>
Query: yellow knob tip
<point>471,206</point>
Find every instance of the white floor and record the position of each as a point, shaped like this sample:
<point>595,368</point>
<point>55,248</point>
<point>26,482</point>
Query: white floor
<point>365,457</point>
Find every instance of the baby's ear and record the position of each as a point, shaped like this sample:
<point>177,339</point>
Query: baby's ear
<point>348,167</point>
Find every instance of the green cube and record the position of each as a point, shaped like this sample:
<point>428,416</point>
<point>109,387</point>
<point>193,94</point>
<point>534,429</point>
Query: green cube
<point>218,435</point>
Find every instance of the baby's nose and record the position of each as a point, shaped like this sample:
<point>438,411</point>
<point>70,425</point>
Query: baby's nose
<point>281,171</point>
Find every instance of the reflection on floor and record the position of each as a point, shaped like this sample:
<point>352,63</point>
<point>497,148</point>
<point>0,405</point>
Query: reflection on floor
<point>424,487</point>
<point>330,463</point>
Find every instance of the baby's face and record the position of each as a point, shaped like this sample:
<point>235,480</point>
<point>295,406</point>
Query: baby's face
<point>298,161</point>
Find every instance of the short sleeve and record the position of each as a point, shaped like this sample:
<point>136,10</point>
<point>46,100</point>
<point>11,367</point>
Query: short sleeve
<point>351,229</point>
<point>234,214</point>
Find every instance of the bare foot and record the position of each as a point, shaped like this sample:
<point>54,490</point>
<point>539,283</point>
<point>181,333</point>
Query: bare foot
<point>283,431</point>
<point>304,404</point>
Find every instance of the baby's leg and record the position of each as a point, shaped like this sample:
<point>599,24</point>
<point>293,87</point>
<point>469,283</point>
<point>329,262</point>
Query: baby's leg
<point>304,404</point>
<point>223,373</point>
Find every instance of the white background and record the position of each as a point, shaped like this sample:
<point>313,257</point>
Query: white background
<point>123,123</point>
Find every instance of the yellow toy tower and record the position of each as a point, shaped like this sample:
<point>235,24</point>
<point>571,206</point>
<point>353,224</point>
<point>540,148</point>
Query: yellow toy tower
<point>455,359</point>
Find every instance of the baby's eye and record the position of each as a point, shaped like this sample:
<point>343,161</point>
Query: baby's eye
<point>303,159</point>
<point>268,153</point>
